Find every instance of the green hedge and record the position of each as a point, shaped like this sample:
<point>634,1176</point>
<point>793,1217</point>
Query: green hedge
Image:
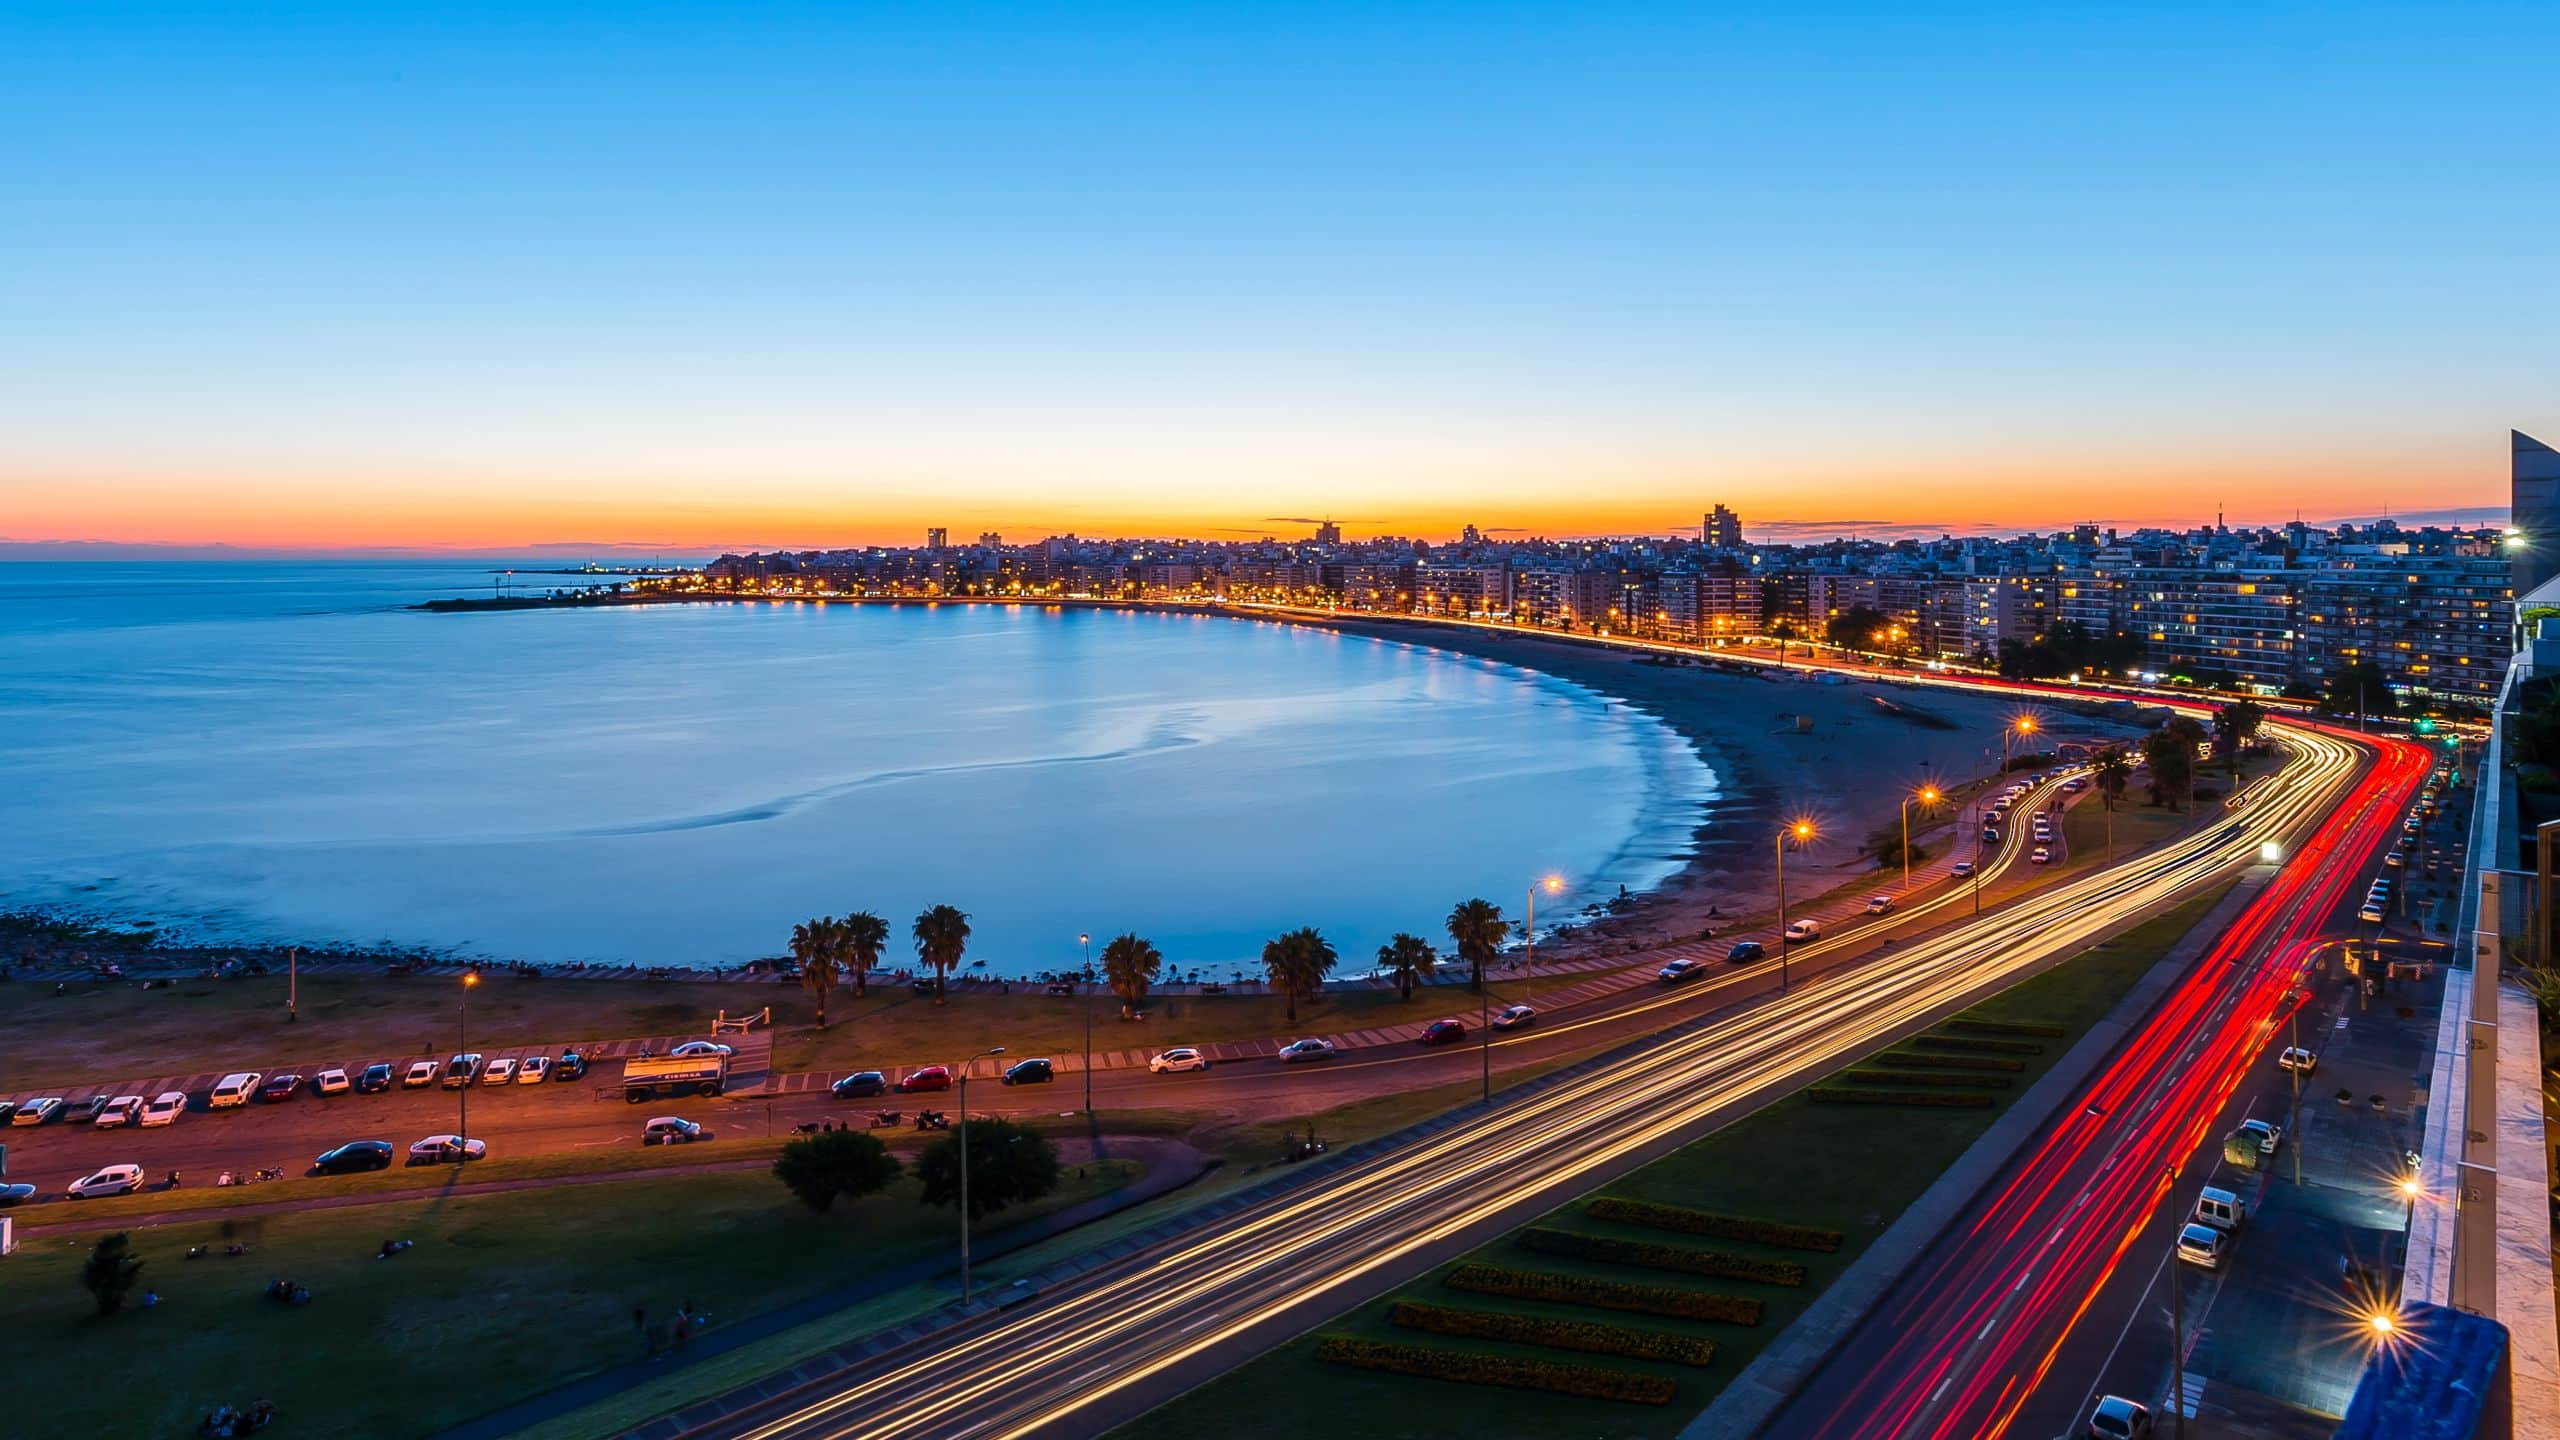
<point>1941,1099</point>
<point>1925,1079</point>
<point>1976,1046</point>
<point>1600,1294</point>
<point>1588,1336</point>
<point>1948,1062</point>
<point>1707,1222</point>
<point>1476,1368</point>
<point>2006,1027</point>
<point>1663,1257</point>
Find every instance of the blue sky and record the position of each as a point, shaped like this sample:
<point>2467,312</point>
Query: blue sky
<point>373,274</point>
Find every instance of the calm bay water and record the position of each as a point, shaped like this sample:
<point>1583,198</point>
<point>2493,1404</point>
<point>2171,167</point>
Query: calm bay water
<point>279,752</point>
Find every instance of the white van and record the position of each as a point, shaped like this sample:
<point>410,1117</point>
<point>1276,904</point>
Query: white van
<point>2220,1209</point>
<point>233,1091</point>
<point>164,1109</point>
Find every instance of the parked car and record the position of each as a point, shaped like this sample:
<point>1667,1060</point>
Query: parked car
<point>1442,1032</point>
<point>332,1081</point>
<point>461,1070</point>
<point>2202,1245</point>
<point>570,1066</point>
<point>2219,1208</point>
<point>112,1180</point>
<point>2371,914</point>
<point>672,1130</point>
<point>1879,904</point>
<point>353,1158</point>
<point>1512,1017</point>
<point>376,1078</point>
<point>16,1194</point>
<point>1805,930</point>
<point>280,1088</point>
<point>1679,970</point>
<point>84,1109</point>
<point>1746,951</point>
<point>501,1071</point>
<point>2117,1418</point>
<point>420,1074</point>
<point>233,1091</point>
<point>1961,869</point>
<point>1176,1060</point>
<point>2269,1134</point>
<point>36,1112</point>
<point>1990,835</point>
<point>164,1109</point>
<point>860,1084</point>
<point>2040,855</point>
<point>931,1077</point>
<point>2297,1061</point>
<point>121,1111</point>
<point>2075,785</point>
<point>701,1047</point>
<point>1030,1072</point>
<point>447,1150</point>
<point>1311,1048</point>
<point>533,1070</point>
<point>8,1108</point>
<point>2396,859</point>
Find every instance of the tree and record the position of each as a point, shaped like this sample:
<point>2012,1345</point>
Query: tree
<point>1131,965</point>
<point>1477,928</point>
<point>942,936</point>
<point>1297,963</point>
<point>1408,958</point>
<point>2113,769</point>
<point>834,1164</point>
<point>2173,763</point>
<point>2234,726</point>
<point>1781,630</point>
<point>111,1271</point>
<point>1008,1165</point>
<point>2358,688</point>
<point>865,936</point>
<point>1860,627</point>
<point>819,947</point>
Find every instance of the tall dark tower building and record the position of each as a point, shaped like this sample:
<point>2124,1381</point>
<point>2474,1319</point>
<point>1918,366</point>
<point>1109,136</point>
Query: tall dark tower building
<point>1722,530</point>
<point>2533,550</point>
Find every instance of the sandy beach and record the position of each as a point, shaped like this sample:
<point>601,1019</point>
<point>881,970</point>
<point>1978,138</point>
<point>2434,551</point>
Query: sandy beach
<point>1784,745</point>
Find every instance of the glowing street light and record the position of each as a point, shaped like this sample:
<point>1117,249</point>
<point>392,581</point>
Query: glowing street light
<point>1801,831</point>
<point>462,1097</point>
<point>1927,795</point>
<point>1552,884</point>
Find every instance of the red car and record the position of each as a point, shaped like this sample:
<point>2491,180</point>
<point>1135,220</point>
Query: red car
<point>1443,1032</point>
<point>931,1077</point>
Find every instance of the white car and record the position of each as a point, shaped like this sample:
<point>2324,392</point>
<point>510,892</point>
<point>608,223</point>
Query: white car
<point>121,1111</point>
<point>534,1070</point>
<point>672,1130</point>
<point>233,1091</point>
<point>113,1180</point>
<point>1512,1017</point>
<point>164,1109</point>
<point>1879,904</point>
<point>2117,1418</point>
<point>1310,1048</point>
<point>36,1112</point>
<point>2298,1061</point>
<point>1805,930</point>
<point>2371,914</point>
<point>332,1081</point>
<point>501,1071</point>
<point>2041,855</point>
<point>2396,859</point>
<point>2202,1245</point>
<point>2270,1135</point>
<point>701,1047</point>
<point>446,1149</point>
<point>1179,1058</point>
<point>419,1075</point>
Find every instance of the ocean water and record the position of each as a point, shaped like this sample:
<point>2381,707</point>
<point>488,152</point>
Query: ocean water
<point>255,751</point>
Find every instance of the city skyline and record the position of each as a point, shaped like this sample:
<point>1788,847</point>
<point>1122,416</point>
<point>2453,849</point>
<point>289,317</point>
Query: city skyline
<point>503,280</point>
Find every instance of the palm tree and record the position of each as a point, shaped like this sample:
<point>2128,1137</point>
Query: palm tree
<point>1477,928</point>
<point>1131,964</point>
<point>942,933</point>
<point>1297,963</point>
<point>819,947</point>
<point>1408,958</point>
<point>865,935</point>
<point>2112,770</point>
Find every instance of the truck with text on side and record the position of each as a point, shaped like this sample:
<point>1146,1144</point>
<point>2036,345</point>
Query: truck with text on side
<point>671,1076</point>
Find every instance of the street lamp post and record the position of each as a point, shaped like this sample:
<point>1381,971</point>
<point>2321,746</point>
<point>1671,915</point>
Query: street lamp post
<point>2023,725</point>
<point>462,1097</point>
<point>1529,932</point>
<point>1086,940</point>
<point>964,1165</point>
<point>1802,830</point>
<point>1928,795</point>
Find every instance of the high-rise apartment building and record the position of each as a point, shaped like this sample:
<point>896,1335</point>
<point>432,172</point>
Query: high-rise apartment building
<point>1722,530</point>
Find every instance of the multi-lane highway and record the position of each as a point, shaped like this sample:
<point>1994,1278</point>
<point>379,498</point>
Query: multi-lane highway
<point>1970,1333</point>
<point>1109,1344</point>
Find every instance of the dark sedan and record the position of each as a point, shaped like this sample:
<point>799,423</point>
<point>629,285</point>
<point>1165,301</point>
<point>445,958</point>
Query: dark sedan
<point>1031,1072</point>
<point>354,1158</point>
<point>1744,952</point>
<point>860,1085</point>
<point>375,1079</point>
<point>16,1194</point>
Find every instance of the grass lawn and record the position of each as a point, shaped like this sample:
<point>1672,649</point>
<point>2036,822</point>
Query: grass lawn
<point>504,1296</point>
<point>106,1030</point>
<point>1847,1168</point>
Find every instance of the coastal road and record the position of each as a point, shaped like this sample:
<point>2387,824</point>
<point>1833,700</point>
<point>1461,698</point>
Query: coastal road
<point>1966,1342</point>
<point>1108,1345</point>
